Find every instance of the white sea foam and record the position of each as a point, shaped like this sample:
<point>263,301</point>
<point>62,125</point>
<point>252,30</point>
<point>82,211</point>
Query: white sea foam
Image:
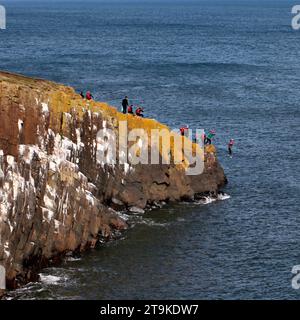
<point>152,223</point>
<point>136,210</point>
<point>49,279</point>
<point>208,199</point>
<point>72,259</point>
<point>223,196</point>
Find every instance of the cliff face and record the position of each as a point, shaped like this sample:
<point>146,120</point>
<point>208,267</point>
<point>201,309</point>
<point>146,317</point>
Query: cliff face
<point>55,194</point>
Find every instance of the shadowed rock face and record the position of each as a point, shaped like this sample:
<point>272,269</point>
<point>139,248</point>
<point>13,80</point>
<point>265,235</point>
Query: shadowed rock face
<point>55,196</point>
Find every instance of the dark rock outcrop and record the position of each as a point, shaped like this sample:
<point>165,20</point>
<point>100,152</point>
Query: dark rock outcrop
<point>55,194</point>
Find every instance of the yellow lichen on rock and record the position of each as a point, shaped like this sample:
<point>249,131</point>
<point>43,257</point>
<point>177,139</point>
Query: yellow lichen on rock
<point>66,101</point>
<point>210,149</point>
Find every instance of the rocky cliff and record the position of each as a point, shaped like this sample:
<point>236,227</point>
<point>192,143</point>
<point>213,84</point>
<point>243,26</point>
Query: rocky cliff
<point>55,195</point>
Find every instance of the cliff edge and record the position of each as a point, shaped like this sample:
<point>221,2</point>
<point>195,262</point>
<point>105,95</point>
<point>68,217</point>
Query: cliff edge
<point>55,195</point>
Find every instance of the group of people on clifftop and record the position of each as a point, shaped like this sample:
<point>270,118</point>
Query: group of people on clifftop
<point>207,138</point>
<point>184,130</point>
<point>87,96</point>
<point>127,108</point>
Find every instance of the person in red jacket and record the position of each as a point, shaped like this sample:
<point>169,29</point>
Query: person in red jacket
<point>184,130</point>
<point>139,112</point>
<point>89,96</point>
<point>130,109</point>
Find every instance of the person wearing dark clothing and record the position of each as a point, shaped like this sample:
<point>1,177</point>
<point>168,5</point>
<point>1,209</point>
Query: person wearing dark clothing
<point>125,105</point>
<point>230,146</point>
<point>139,112</point>
<point>130,109</point>
<point>209,137</point>
<point>81,94</point>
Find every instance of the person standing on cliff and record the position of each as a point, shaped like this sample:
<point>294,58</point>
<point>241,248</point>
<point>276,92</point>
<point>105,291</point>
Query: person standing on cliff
<point>210,136</point>
<point>125,104</point>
